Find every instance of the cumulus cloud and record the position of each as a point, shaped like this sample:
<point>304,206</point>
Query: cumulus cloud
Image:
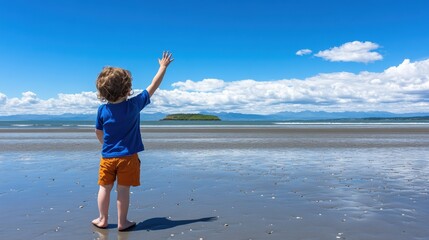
<point>29,103</point>
<point>403,88</point>
<point>3,99</point>
<point>303,52</point>
<point>206,85</point>
<point>355,51</point>
<point>400,89</point>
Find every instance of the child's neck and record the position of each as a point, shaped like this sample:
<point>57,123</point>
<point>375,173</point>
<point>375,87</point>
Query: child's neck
<point>119,101</point>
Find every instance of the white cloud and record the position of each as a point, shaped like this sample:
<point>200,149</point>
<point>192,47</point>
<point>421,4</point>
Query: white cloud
<point>206,85</point>
<point>355,51</point>
<point>303,52</point>
<point>3,99</point>
<point>29,103</point>
<point>400,89</point>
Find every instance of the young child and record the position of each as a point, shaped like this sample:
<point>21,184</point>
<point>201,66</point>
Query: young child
<point>118,130</point>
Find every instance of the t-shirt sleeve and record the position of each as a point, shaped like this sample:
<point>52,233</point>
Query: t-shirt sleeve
<point>143,99</point>
<point>99,121</point>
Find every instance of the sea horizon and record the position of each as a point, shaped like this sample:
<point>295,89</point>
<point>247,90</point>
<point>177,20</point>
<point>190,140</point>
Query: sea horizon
<point>73,124</point>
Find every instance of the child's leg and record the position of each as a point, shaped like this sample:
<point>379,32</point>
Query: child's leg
<point>123,203</point>
<point>103,205</point>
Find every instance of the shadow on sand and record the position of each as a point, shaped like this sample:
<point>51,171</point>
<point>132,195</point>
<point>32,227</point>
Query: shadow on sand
<point>164,223</point>
<point>148,225</point>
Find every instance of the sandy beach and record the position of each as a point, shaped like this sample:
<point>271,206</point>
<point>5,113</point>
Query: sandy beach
<point>230,182</point>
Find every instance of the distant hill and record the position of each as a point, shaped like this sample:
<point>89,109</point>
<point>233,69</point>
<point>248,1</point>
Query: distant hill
<point>425,118</point>
<point>192,117</point>
<point>310,115</point>
<point>72,117</point>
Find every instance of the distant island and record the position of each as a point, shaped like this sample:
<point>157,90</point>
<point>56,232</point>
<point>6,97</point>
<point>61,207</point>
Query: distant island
<point>191,117</point>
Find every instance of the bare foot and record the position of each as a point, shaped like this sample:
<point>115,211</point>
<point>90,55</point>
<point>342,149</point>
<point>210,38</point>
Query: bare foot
<point>100,222</point>
<point>127,226</point>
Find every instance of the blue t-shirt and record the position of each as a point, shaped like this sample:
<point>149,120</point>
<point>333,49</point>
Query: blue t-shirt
<point>120,124</point>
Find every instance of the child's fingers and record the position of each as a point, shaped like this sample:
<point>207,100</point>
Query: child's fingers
<point>166,56</point>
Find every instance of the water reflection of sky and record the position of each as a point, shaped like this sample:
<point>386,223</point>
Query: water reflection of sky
<point>347,190</point>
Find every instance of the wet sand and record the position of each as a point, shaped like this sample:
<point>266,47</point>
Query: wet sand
<point>310,136</point>
<point>291,182</point>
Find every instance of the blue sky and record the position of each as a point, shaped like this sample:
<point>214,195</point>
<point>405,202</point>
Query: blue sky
<point>58,47</point>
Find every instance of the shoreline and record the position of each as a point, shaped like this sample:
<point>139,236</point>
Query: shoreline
<point>208,124</point>
<point>280,128</point>
<point>196,138</point>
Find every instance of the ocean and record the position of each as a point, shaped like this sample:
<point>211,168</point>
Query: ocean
<point>90,124</point>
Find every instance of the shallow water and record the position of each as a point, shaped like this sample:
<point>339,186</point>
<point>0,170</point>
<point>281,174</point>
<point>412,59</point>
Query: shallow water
<point>286,185</point>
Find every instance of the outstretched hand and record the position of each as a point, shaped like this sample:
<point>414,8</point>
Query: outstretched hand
<point>166,59</point>
<point>163,64</point>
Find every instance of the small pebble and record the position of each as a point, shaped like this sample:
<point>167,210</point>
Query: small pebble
<point>339,236</point>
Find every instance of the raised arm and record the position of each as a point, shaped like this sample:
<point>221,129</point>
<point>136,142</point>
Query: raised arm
<point>163,64</point>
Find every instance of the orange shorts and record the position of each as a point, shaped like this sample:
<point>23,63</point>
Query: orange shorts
<point>126,169</point>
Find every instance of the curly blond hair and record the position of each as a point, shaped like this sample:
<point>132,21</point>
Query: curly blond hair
<point>113,84</point>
